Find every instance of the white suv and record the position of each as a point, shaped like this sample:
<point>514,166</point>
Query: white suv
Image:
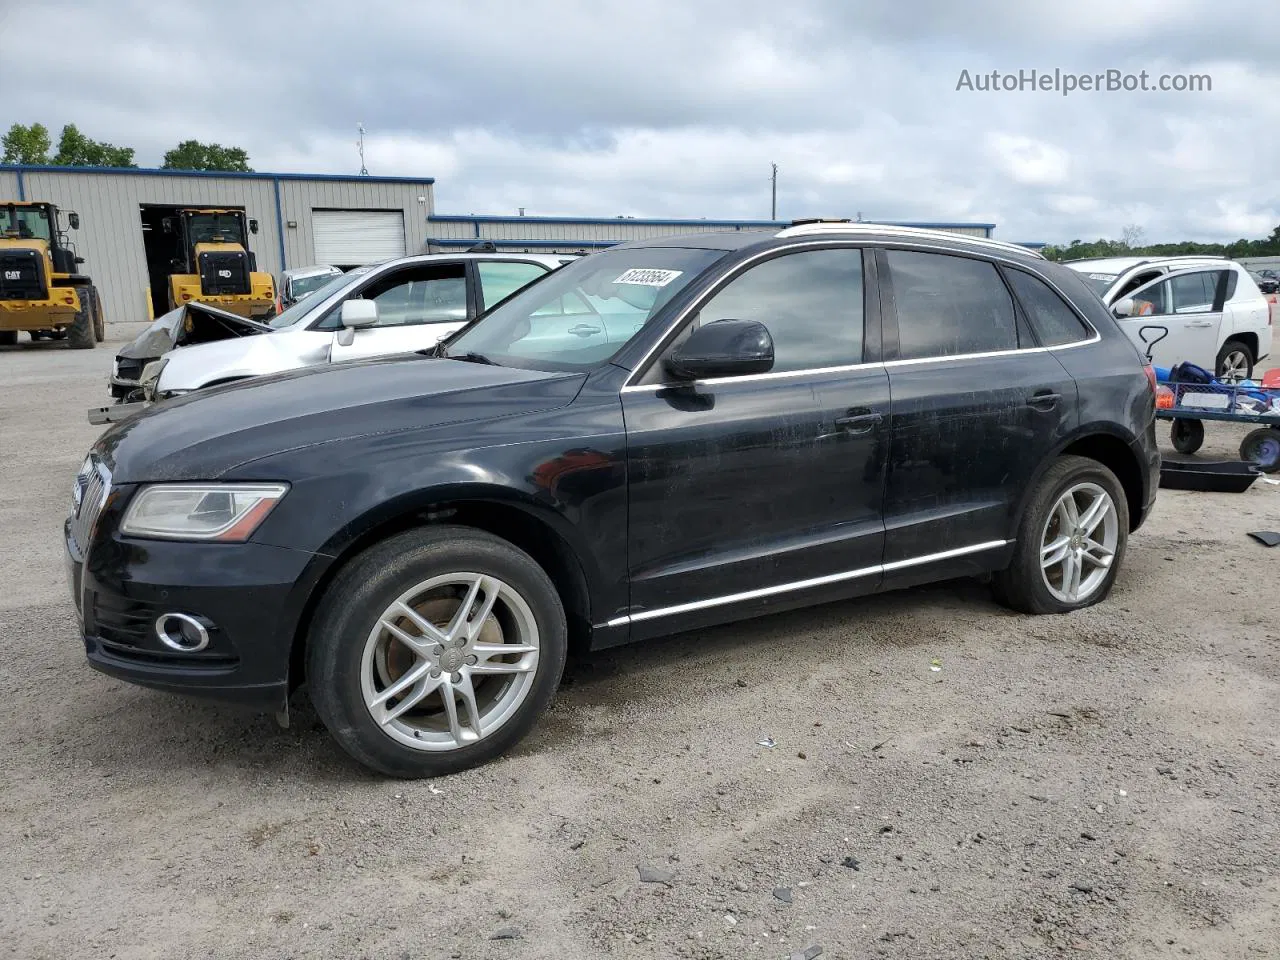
<point>1207,310</point>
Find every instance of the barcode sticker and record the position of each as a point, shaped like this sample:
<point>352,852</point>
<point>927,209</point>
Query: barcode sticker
<point>648,277</point>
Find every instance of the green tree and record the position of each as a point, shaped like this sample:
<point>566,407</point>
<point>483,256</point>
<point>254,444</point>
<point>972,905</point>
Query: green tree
<point>77,150</point>
<point>26,144</point>
<point>194,155</point>
<point>1078,250</point>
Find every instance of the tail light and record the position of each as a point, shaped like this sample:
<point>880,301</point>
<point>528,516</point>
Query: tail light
<point>1164,398</point>
<point>1150,371</point>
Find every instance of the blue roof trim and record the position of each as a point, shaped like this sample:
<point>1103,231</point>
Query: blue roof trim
<point>157,172</point>
<point>468,218</point>
<point>472,241</point>
<point>780,224</point>
<point>1032,244</point>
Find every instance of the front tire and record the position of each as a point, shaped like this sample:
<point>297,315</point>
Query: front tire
<point>80,333</point>
<point>99,321</point>
<point>405,662</point>
<point>8,338</point>
<point>1235,361</point>
<point>1187,435</point>
<point>1071,540</point>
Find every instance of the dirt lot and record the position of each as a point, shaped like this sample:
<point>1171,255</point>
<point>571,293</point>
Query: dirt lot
<point>1105,784</point>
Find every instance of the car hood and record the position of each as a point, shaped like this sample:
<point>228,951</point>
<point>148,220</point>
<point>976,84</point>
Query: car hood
<point>191,367</point>
<point>204,435</point>
<point>189,324</point>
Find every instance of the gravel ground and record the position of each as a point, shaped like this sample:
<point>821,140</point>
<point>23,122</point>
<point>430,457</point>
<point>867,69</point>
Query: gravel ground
<point>1099,785</point>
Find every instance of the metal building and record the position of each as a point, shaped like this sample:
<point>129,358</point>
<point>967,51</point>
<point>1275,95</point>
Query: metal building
<point>574,234</point>
<point>302,219</point>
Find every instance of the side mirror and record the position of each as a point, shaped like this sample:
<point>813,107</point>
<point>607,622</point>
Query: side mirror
<point>253,226</point>
<point>359,313</point>
<point>725,348</point>
<point>1123,308</point>
<point>73,220</point>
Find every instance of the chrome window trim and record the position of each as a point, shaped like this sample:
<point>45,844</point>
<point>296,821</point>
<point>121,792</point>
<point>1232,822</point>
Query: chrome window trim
<point>905,243</point>
<point>804,584</point>
<point>752,377</point>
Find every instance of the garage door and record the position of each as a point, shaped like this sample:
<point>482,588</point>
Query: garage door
<point>351,238</point>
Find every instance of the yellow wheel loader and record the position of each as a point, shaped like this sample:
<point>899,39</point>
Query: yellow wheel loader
<point>41,288</point>
<point>216,265</point>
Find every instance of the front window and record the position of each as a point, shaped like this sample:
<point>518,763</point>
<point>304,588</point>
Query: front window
<point>25,223</point>
<point>585,312</point>
<point>215,228</point>
<point>1101,282</point>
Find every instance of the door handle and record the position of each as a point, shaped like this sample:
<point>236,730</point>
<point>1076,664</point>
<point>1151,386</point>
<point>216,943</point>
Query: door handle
<point>584,330</point>
<point>1200,323</point>
<point>1044,400</point>
<point>859,421</point>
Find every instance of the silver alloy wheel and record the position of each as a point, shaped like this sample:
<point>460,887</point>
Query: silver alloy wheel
<point>1079,542</point>
<point>465,637</point>
<point>1235,365</point>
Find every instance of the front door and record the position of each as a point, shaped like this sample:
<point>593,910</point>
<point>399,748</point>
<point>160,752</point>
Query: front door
<point>977,407</point>
<point>751,484</point>
<point>416,307</point>
<point>1178,317</point>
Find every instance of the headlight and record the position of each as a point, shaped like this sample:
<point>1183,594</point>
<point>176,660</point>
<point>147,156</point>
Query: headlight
<point>150,377</point>
<point>225,512</point>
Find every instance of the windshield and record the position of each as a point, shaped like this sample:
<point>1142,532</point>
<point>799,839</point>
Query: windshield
<point>26,223</point>
<point>582,314</point>
<point>215,228</point>
<point>300,287</point>
<point>302,308</point>
<point>1101,282</point>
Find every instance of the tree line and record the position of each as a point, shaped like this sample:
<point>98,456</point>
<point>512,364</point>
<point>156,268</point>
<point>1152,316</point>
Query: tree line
<point>1077,250</point>
<point>33,145</point>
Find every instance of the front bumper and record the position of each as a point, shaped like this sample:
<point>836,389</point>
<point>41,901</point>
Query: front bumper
<point>246,593</point>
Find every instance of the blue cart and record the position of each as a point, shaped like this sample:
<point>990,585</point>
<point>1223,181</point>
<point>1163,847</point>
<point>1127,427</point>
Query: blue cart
<point>1194,403</point>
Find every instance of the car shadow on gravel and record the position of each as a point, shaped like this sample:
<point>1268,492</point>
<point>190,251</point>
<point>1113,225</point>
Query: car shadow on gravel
<point>149,733</point>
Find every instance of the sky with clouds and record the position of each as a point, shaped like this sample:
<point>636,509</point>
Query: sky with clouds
<point>676,108</point>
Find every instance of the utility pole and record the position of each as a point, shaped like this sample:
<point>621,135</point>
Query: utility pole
<point>773,206</point>
<point>364,171</point>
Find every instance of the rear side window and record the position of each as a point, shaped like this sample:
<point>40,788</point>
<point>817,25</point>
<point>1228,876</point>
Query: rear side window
<point>1233,278</point>
<point>1054,322</point>
<point>949,306</point>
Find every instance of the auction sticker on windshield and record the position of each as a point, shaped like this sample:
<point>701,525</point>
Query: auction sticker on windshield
<point>1108,277</point>
<point>648,277</point>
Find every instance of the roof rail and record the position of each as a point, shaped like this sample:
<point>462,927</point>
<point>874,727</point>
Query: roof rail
<point>802,228</point>
<point>1140,259</point>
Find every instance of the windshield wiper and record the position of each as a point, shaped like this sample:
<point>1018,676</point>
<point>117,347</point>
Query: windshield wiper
<point>472,357</point>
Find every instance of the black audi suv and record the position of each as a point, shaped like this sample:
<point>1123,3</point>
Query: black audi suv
<point>665,435</point>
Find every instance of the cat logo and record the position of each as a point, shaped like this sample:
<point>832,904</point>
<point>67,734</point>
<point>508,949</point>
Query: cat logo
<point>225,274</point>
<point>13,274</point>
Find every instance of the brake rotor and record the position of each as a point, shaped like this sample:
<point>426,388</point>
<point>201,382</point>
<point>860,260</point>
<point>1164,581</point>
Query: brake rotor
<point>394,658</point>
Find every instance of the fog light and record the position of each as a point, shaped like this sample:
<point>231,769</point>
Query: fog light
<point>181,632</point>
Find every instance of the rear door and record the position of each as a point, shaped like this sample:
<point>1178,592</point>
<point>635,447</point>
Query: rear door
<point>1178,318</point>
<point>749,486</point>
<point>978,404</point>
<point>416,307</point>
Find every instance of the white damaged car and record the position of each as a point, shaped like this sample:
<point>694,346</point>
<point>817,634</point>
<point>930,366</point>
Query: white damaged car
<point>397,306</point>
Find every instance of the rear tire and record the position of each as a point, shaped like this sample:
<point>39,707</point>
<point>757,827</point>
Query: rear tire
<point>1235,361</point>
<point>1030,584</point>
<point>80,333</point>
<point>1187,436</point>
<point>1262,447</point>
<point>8,338</point>
<point>99,321</point>
<point>353,660</point>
